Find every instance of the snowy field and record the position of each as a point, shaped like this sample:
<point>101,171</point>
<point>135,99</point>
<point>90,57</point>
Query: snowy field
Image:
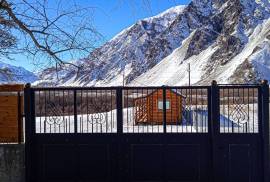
<point>105,123</point>
<point>195,121</point>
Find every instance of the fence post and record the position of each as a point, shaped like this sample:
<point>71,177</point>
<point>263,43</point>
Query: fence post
<point>214,128</point>
<point>119,107</point>
<point>75,111</point>
<point>28,110</point>
<point>164,108</point>
<point>265,129</point>
<point>214,107</point>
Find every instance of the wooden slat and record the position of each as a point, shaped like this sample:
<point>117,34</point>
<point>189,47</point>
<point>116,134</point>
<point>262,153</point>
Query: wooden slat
<point>9,127</point>
<point>8,100</point>
<point>11,88</point>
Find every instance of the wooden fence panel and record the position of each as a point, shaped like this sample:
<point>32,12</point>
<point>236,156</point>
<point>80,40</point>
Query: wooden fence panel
<point>11,108</point>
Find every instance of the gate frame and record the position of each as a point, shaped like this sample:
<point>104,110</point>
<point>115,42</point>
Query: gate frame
<point>213,127</point>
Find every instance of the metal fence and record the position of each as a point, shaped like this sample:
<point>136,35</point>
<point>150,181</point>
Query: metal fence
<point>145,109</point>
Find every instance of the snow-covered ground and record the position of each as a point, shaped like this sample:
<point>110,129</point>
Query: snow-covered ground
<point>107,122</point>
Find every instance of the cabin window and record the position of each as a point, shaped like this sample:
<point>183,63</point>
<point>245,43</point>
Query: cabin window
<point>160,105</point>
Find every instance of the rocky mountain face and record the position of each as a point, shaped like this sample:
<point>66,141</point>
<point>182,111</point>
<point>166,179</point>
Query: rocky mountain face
<point>15,74</point>
<point>225,40</point>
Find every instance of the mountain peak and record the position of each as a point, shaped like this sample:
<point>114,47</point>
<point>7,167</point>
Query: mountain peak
<point>15,74</point>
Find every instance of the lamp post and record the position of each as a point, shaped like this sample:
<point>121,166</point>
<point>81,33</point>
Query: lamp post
<point>188,74</point>
<point>123,76</point>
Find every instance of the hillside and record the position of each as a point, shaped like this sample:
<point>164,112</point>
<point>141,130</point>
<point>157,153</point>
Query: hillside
<point>15,74</point>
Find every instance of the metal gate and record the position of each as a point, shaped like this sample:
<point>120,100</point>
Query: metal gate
<point>195,134</point>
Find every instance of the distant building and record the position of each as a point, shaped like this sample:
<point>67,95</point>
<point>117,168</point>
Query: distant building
<point>149,108</point>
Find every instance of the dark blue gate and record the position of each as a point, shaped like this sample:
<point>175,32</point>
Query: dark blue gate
<point>207,133</point>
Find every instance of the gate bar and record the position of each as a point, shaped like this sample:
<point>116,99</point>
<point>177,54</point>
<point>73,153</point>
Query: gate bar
<point>75,111</point>
<point>29,111</point>
<point>214,128</point>
<point>265,128</point>
<point>164,108</point>
<point>119,110</point>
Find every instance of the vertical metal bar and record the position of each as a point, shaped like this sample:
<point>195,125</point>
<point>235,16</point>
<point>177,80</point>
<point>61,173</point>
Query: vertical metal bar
<point>233,106</point>
<point>40,111</point>
<point>253,108</point>
<point>164,109</point>
<point>214,128</point>
<point>210,131</point>
<point>100,95</point>
<point>265,129</point>
<point>45,112</point>
<point>106,108</point>
<point>87,110</point>
<point>75,110</point>
<point>223,109</point>
<point>143,108</point>
<point>135,112</point>
<point>245,125</point>
<point>196,113</point>
<point>112,125</point>
<point>97,110</point>
<point>152,110</point>
<point>28,110</point>
<point>63,108</point>
<point>190,109</point>
<point>228,111</point>
<point>55,107</point>
<point>171,108</point>
<point>63,113</point>
<point>126,105</point>
<point>138,109</point>
<point>119,106</point>
<point>187,110</point>
<point>81,113</point>
<point>238,97</point>
<point>202,109</point>
<point>248,123</point>
<point>92,111</point>
<point>178,111</point>
<point>69,113</point>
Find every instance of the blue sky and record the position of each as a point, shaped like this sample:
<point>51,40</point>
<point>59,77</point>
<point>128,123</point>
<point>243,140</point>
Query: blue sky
<point>112,16</point>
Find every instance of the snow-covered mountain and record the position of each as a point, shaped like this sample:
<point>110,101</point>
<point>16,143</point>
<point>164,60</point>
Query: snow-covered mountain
<point>225,40</point>
<point>15,74</point>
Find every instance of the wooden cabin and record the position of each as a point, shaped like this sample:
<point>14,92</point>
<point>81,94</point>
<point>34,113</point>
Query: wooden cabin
<point>149,108</point>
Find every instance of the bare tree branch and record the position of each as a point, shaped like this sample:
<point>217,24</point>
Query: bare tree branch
<point>55,32</point>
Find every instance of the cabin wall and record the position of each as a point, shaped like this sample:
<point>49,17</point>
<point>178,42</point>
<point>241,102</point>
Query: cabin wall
<point>155,115</point>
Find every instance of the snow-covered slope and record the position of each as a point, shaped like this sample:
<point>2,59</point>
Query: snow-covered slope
<point>15,74</point>
<point>226,40</point>
<point>253,59</point>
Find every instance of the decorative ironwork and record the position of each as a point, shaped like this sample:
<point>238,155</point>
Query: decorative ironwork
<point>98,118</point>
<point>238,111</point>
<point>99,107</point>
<point>55,114</point>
